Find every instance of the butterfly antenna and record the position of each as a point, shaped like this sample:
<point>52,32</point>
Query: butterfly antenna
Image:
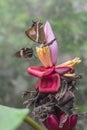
<point>33,23</point>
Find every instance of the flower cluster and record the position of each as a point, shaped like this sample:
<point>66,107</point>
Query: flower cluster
<point>53,98</point>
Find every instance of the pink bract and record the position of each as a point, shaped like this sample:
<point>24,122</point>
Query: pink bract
<point>48,84</point>
<point>49,37</point>
<point>49,78</point>
<point>40,71</point>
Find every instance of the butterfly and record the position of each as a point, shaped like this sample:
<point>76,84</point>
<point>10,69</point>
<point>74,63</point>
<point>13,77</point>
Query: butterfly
<point>36,33</point>
<point>25,53</point>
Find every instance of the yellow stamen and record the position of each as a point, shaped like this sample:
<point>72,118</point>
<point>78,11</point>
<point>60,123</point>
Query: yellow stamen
<point>44,56</point>
<point>70,75</point>
<point>71,62</point>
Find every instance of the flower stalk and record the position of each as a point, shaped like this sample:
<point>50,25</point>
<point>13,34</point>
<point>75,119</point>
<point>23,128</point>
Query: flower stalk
<point>32,123</point>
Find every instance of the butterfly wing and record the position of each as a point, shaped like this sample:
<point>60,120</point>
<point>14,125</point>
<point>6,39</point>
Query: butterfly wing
<point>31,33</point>
<point>36,33</point>
<point>42,38</point>
<point>25,53</point>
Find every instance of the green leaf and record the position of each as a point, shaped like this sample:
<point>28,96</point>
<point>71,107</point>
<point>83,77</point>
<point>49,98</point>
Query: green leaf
<point>11,118</point>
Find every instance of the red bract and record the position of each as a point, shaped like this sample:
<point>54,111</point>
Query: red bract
<point>50,83</point>
<point>49,78</point>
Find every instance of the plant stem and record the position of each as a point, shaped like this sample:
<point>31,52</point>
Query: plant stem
<point>32,123</point>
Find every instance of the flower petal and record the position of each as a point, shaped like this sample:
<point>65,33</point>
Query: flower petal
<point>44,56</point>
<point>68,122</point>
<point>64,123</point>
<point>49,37</point>
<point>73,121</point>
<point>48,84</point>
<point>63,70</point>
<point>71,63</point>
<point>40,71</point>
<point>51,122</point>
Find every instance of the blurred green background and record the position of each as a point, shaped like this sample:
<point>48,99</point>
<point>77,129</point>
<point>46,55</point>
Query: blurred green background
<point>68,19</point>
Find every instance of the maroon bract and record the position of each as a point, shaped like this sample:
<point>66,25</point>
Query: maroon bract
<point>63,123</point>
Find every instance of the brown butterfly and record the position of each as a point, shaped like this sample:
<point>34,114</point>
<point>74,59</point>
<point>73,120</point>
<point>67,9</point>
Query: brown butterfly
<point>25,53</point>
<point>36,32</point>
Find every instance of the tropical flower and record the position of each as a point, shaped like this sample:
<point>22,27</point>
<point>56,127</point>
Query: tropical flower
<point>53,101</point>
<point>49,74</point>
